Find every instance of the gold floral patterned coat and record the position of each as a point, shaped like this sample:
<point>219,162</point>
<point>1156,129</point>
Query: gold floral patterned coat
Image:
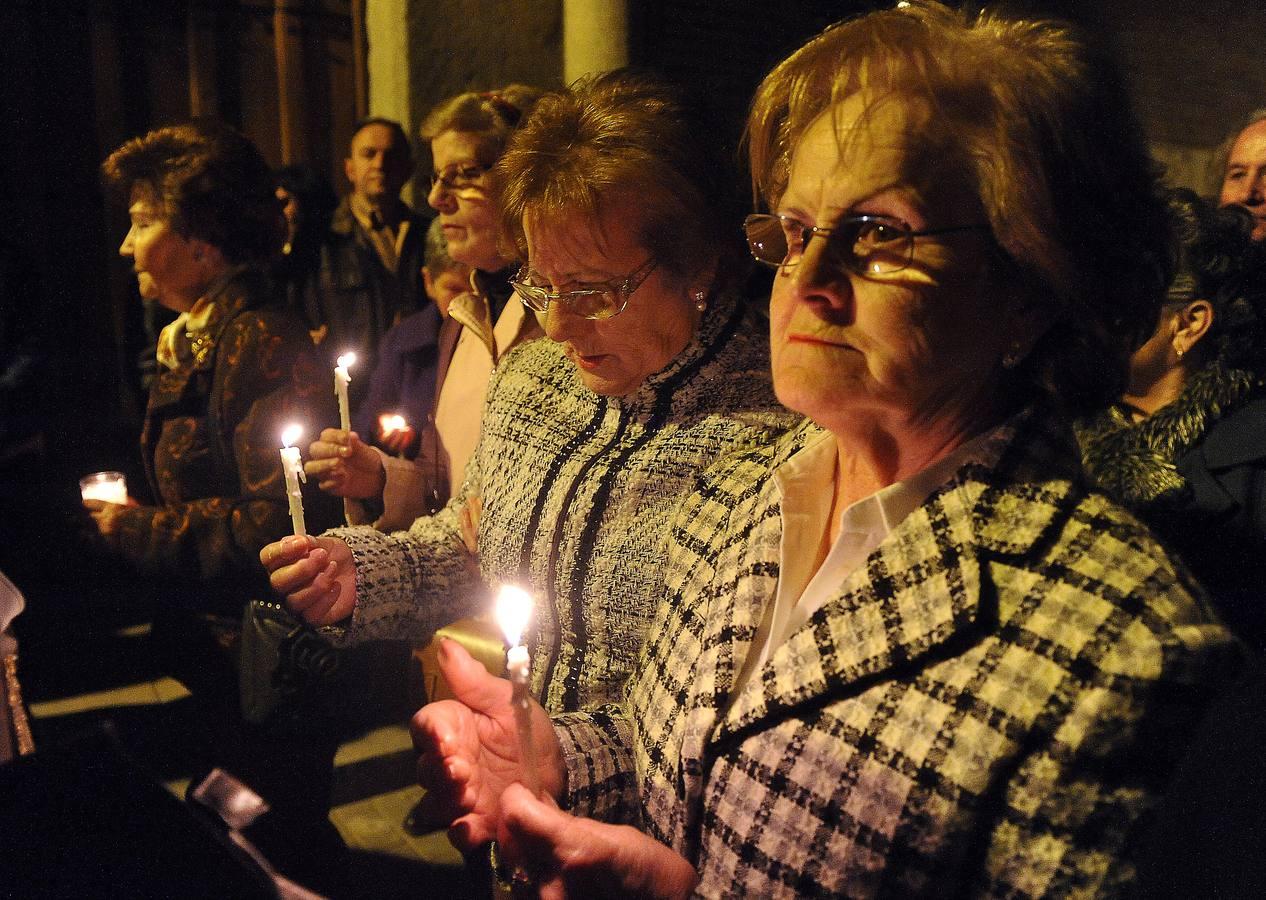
<point>211,441</point>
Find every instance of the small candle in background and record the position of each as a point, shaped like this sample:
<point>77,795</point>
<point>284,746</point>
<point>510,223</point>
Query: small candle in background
<point>392,423</point>
<point>341,380</point>
<point>514,608</point>
<point>292,467</point>
<point>108,486</point>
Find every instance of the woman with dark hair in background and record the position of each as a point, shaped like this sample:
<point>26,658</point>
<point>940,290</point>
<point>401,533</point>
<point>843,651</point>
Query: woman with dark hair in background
<point>307,202</point>
<point>1186,445</point>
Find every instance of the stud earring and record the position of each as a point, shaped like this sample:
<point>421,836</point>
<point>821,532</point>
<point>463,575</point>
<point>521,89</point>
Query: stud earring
<point>701,302</point>
<point>1179,351</point>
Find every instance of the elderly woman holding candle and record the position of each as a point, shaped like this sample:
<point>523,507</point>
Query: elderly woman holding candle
<point>234,370</point>
<point>905,650</point>
<point>589,440</point>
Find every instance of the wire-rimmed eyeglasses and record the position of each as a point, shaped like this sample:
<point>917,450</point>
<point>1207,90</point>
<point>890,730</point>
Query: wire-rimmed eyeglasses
<point>459,177</point>
<point>592,300</point>
<point>866,245</point>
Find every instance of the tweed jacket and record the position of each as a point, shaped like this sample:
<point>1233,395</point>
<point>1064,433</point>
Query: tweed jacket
<point>986,707</point>
<point>577,493</point>
<point>210,446</point>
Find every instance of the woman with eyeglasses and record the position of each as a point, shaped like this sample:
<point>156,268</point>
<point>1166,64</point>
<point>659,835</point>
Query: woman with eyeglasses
<point>466,134</point>
<point>652,371</point>
<point>905,650</point>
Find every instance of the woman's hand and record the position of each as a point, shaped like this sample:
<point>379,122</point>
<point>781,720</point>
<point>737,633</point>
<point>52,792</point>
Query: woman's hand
<point>316,575</point>
<point>567,856</point>
<point>345,466</point>
<point>468,750</point>
<point>106,515</point>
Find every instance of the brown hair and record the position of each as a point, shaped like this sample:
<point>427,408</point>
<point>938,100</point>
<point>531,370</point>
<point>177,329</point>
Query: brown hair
<point>492,116</point>
<point>210,183</point>
<point>615,135</point>
<point>1040,123</point>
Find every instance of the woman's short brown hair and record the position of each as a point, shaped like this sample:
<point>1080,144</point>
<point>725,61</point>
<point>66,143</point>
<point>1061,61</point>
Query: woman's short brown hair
<point>492,116</point>
<point>616,135</point>
<point>211,184</point>
<point>1040,123</point>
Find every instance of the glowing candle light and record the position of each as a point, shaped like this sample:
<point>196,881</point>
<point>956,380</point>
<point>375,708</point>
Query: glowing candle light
<point>108,486</point>
<point>341,380</point>
<point>514,608</point>
<point>292,466</point>
<point>390,423</point>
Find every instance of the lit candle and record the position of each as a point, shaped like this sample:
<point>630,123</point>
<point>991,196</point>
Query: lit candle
<point>108,486</point>
<point>390,423</point>
<point>341,380</point>
<point>292,466</point>
<point>514,607</point>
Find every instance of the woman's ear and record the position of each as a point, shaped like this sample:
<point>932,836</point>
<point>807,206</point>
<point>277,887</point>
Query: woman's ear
<point>1193,322</point>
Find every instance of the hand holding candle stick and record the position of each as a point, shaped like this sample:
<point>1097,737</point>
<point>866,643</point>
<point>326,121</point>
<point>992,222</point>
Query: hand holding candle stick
<point>341,380</point>
<point>514,607</point>
<point>292,467</point>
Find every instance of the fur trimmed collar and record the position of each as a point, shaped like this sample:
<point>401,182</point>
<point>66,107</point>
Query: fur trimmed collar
<point>1135,462</point>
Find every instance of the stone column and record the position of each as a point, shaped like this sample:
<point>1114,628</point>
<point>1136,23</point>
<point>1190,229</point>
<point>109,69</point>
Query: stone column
<point>595,37</point>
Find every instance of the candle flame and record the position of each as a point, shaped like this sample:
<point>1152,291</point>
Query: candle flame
<point>291,434</point>
<point>347,359</point>
<point>392,423</point>
<point>514,608</point>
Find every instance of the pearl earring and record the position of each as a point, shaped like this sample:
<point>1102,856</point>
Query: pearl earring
<point>1179,351</point>
<point>701,302</point>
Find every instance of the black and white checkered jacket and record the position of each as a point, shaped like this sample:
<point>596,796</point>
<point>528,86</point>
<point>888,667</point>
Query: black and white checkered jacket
<point>577,494</point>
<point>987,706</point>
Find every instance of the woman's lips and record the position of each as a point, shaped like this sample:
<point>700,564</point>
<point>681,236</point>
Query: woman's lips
<point>588,361</point>
<point>820,341</point>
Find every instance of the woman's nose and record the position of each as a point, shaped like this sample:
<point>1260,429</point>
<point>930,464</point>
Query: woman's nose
<point>819,279</point>
<point>125,248</point>
<point>561,323</point>
<point>440,197</point>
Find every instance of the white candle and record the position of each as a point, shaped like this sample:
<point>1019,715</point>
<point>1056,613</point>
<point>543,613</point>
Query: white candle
<point>292,466</point>
<point>341,380</point>
<point>514,607</point>
<point>108,486</point>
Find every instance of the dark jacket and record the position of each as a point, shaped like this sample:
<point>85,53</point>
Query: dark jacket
<point>1196,471</point>
<point>356,299</point>
<point>211,449</point>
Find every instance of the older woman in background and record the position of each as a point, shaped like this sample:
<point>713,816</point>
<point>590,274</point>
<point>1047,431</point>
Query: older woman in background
<point>904,650</point>
<point>1184,446</point>
<point>234,369</point>
<point>589,440</point>
<point>467,134</point>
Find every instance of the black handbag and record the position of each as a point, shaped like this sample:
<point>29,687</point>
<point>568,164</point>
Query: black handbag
<point>288,673</point>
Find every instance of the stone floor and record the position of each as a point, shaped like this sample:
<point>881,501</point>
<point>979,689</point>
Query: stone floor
<point>94,678</point>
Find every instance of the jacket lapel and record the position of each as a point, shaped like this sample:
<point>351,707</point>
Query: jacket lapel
<point>923,587</point>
